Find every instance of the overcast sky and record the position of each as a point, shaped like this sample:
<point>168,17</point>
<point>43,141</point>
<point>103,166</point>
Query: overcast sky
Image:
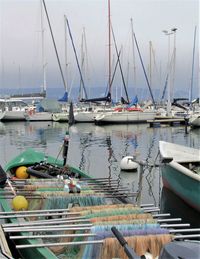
<point>20,44</point>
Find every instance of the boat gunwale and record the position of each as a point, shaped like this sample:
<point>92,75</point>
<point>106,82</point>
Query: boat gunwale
<point>185,170</point>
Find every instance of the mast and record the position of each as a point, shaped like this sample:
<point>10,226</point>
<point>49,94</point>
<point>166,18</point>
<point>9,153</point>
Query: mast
<point>66,64</point>
<point>20,81</point>
<point>191,88</point>
<point>109,48</point>
<point>82,68</point>
<point>145,74</point>
<point>54,43</point>
<point>73,46</point>
<point>120,66</point>
<point>44,85</point>
<point>150,63</point>
<point>134,65</point>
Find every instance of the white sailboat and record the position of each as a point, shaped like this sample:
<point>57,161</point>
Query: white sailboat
<point>38,116</point>
<point>194,120</point>
<point>34,114</point>
<point>89,114</point>
<point>124,116</point>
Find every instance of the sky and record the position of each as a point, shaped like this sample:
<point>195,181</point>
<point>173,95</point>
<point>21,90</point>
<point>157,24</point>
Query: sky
<point>21,42</point>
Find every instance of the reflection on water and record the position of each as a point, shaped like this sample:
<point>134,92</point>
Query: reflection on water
<point>98,150</point>
<point>169,203</point>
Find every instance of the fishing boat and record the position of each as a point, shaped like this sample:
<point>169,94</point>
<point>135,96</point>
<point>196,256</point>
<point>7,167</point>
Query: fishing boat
<point>181,171</point>
<point>69,214</point>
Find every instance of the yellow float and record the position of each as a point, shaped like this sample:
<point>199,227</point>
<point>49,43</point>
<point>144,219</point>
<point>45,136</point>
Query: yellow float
<point>21,172</point>
<point>20,203</point>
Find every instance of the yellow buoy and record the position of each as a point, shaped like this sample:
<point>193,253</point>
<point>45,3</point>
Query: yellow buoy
<point>21,172</point>
<point>20,203</point>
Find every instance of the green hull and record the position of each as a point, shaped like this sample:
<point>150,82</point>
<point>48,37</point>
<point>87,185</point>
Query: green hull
<point>30,157</point>
<point>185,186</point>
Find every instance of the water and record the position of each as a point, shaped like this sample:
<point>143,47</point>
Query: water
<point>98,150</point>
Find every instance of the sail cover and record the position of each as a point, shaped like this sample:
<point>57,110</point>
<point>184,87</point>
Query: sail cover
<point>100,99</point>
<point>64,98</point>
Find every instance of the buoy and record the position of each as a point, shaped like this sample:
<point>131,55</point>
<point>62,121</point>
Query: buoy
<point>20,203</point>
<point>21,172</point>
<point>128,164</point>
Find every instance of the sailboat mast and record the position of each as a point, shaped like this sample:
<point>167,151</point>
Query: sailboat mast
<point>134,64</point>
<point>145,74</point>
<point>109,47</point>
<point>150,63</point>
<point>191,89</point>
<point>54,44</point>
<point>77,61</point>
<point>82,68</point>
<point>44,86</point>
<point>66,57</point>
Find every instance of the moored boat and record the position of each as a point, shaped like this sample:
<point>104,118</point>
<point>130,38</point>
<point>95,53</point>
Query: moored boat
<point>38,116</point>
<point>70,214</point>
<point>60,116</point>
<point>181,171</point>
<point>12,109</point>
<point>88,114</point>
<point>194,120</point>
<point>125,116</point>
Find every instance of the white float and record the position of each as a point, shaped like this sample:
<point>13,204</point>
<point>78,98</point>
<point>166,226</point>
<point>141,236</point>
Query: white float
<point>128,164</point>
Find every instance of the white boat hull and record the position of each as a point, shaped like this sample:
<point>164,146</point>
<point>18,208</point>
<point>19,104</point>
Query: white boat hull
<point>2,115</point>
<point>85,116</point>
<point>60,116</point>
<point>195,120</point>
<point>125,117</point>
<point>39,116</point>
<point>13,116</point>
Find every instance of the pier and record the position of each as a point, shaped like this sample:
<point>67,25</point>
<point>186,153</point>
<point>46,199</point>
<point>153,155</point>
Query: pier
<point>167,121</point>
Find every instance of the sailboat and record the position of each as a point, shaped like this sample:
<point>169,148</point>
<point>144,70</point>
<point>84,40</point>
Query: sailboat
<point>51,106</point>
<point>194,119</point>
<point>89,112</point>
<point>128,113</point>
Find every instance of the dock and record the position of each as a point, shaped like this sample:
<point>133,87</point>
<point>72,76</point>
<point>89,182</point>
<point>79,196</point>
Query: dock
<point>167,121</point>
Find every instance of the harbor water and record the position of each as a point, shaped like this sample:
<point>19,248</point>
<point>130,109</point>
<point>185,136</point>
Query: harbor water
<point>98,150</point>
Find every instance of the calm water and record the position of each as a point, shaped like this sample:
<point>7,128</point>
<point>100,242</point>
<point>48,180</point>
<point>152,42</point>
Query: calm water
<point>98,150</point>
